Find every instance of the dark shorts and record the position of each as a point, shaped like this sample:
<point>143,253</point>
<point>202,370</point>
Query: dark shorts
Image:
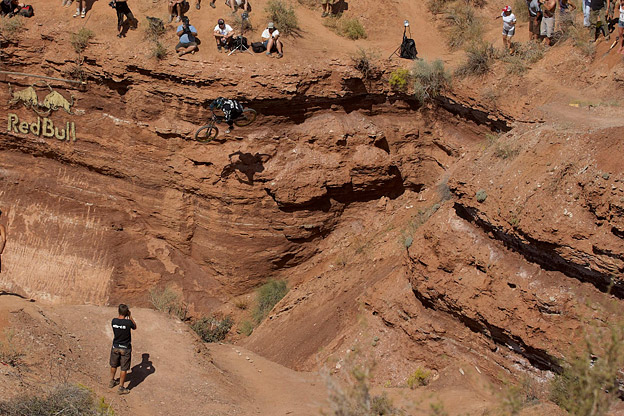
<point>535,25</point>
<point>273,48</point>
<point>120,357</point>
<point>185,45</point>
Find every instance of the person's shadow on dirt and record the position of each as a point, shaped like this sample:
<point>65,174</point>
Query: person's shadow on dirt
<point>141,371</point>
<point>247,163</point>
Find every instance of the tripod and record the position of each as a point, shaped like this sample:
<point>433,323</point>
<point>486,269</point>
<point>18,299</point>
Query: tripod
<point>240,47</point>
<point>405,28</point>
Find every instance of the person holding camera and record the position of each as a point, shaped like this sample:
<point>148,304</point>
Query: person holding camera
<point>121,352</point>
<point>121,6</point>
<point>223,34</point>
<point>186,34</point>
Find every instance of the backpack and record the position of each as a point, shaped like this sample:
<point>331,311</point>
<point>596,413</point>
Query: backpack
<point>258,47</point>
<point>408,49</point>
<point>26,11</point>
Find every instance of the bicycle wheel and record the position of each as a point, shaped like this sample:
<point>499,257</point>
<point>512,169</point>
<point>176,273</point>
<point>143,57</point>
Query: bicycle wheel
<point>206,133</point>
<point>245,119</point>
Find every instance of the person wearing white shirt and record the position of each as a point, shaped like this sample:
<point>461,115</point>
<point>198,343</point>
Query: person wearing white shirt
<point>509,27</point>
<point>223,34</point>
<point>270,39</point>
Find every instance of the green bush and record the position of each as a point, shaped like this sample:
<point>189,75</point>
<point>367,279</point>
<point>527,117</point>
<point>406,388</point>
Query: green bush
<point>66,400</point>
<point>525,54</point>
<point>353,29</point>
<point>155,28</point>
<point>363,60</point>
<point>588,385</point>
<point>420,377</point>
<point>268,295</point>
<point>81,40</point>
<point>10,354</point>
<point>159,51</point>
<point>479,60</point>
<point>11,28</point>
<point>399,79</point>
<point>283,16</point>
<point>430,80</point>
<point>246,328</point>
<point>464,27</point>
<point>211,329</point>
<point>169,301</point>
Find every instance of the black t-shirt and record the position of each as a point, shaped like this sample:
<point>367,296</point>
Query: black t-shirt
<point>597,4</point>
<point>121,329</point>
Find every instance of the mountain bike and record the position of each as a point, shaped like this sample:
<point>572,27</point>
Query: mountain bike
<point>210,131</point>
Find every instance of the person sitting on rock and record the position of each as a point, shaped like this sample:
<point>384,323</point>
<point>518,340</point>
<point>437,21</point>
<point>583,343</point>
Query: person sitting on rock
<point>232,109</point>
<point>223,34</point>
<point>270,39</point>
<point>238,4</point>
<point>186,35</point>
<point>177,8</point>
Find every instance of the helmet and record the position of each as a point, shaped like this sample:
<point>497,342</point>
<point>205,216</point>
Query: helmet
<point>218,103</point>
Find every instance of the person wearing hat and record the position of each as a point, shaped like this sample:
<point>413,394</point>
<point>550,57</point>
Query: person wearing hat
<point>509,27</point>
<point>271,41</point>
<point>223,34</point>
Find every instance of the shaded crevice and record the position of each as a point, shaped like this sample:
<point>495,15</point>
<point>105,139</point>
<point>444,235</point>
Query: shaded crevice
<point>544,254</point>
<point>537,357</point>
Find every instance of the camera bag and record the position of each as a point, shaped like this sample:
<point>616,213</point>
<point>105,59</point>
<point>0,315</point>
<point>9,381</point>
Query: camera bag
<point>258,47</point>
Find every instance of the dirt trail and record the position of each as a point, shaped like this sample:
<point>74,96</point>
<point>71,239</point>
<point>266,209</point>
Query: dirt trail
<point>174,374</point>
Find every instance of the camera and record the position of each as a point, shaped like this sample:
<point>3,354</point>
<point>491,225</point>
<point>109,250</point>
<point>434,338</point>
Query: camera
<point>406,23</point>
<point>185,25</point>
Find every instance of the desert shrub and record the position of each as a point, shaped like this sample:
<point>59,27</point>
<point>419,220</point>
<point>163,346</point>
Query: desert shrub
<point>399,79</point>
<point>267,297</point>
<point>580,38</point>
<point>246,328</point>
<point>212,329</point>
<point>479,60</point>
<point>11,28</point>
<point>10,354</point>
<point>352,397</point>
<point>350,28</point>
<point>364,61</point>
<point>525,55</point>
<point>283,16</point>
<point>437,6</point>
<point>588,384</point>
<point>353,29</point>
<point>521,10</point>
<point>169,301</point>
<point>241,304</point>
<point>81,39</point>
<point>66,400</point>
<point>159,51</point>
<point>464,27</point>
<point>155,28</point>
<point>430,80</point>
<point>481,195</point>
<point>76,72</point>
<point>420,377</point>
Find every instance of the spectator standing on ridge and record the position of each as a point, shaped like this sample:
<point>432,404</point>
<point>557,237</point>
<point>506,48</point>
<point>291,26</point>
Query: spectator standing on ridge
<point>223,34</point>
<point>186,35</point>
<point>121,352</point>
<point>548,20</point>
<point>620,33</point>
<point>535,19</point>
<point>586,7</point>
<point>327,7</point>
<point>177,8</point>
<point>598,13</point>
<point>121,6</point>
<point>509,27</point>
<point>2,241</point>
<point>270,39</point>
<point>81,8</point>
